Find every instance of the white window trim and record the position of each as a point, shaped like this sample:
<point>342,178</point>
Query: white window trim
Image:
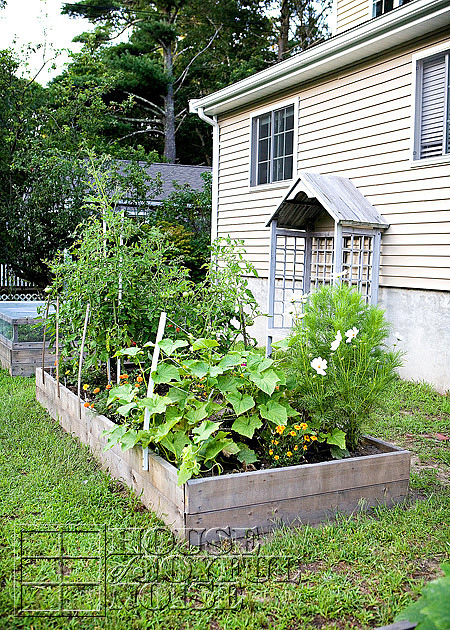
<point>371,3</point>
<point>416,58</point>
<point>285,182</point>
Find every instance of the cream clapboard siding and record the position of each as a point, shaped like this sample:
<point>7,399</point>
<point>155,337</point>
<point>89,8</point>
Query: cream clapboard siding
<point>359,126</point>
<point>351,13</point>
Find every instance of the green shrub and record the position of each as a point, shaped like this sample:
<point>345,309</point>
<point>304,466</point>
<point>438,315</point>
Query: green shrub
<point>337,355</point>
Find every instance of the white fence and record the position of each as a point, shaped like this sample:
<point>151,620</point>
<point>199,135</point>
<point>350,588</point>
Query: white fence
<point>14,288</point>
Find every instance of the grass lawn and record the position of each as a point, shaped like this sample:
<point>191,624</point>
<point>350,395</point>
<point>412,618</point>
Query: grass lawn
<point>354,573</point>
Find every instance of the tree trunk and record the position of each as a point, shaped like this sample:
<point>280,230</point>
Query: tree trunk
<point>283,36</point>
<point>170,152</point>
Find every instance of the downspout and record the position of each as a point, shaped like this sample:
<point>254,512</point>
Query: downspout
<point>215,170</point>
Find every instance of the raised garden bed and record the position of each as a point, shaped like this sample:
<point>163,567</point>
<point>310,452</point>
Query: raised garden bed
<point>233,503</point>
<point>20,339</point>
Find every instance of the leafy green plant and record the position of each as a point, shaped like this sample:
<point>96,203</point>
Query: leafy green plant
<point>337,354</point>
<point>209,407</point>
<point>432,610</point>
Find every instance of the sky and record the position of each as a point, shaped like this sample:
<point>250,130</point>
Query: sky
<point>36,22</point>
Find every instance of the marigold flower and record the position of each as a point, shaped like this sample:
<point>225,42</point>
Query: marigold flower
<point>56,362</point>
<point>280,428</point>
<point>305,448</point>
<point>293,433</point>
<point>96,390</point>
<point>139,379</point>
<point>297,427</point>
<point>108,386</point>
<point>296,447</point>
<point>177,329</point>
<point>123,376</point>
<point>270,452</point>
<point>277,457</point>
<point>85,387</point>
<point>313,437</point>
<point>277,387</point>
<point>289,454</point>
<point>86,404</point>
<point>92,406</point>
<point>275,442</point>
<point>307,438</point>
<point>303,426</point>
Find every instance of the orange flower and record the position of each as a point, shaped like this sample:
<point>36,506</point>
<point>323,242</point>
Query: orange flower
<point>108,386</point>
<point>177,329</point>
<point>293,433</point>
<point>280,428</point>
<point>303,426</point>
<point>123,376</point>
<point>276,457</point>
<point>277,387</point>
<point>86,404</point>
<point>139,379</point>
<point>270,452</point>
<point>96,390</point>
<point>313,437</point>
<point>296,447</point>
<point>297,427</point>
<point>92,405</point>
<point>305,448</point>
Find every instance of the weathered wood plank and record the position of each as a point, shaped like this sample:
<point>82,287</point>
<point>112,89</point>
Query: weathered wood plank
<point>243,489</point>
<point>156,487</point>
<point>310,510</point>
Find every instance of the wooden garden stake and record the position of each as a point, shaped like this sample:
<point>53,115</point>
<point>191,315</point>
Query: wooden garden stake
<point>83,339</point>
<point>159,336</point>
<point>57,346</point>
<point>43,342</point>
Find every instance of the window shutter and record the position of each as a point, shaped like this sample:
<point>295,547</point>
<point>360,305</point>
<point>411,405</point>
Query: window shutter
<point>432,107</point>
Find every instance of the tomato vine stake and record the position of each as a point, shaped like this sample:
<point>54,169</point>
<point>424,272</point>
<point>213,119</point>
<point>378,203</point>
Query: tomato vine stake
<point>43,342</point>
<point>159,336</point>
<point>57,346</point>
<point>83,339</point>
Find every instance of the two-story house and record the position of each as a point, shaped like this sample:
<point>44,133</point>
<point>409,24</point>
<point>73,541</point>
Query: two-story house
<point>351,136</point>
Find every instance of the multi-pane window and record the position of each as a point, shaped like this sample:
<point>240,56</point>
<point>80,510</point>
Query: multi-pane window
<point>273,146</point>
<point>383,6</point>
<point>432,124</point>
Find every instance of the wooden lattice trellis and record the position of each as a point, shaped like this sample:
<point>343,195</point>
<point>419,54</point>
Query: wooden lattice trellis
<point>306,254</point>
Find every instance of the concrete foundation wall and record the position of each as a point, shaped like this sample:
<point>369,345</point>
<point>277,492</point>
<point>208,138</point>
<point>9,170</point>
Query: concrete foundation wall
<point>421,319</point>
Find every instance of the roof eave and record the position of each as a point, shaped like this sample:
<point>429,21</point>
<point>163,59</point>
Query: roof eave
<point>373,37</point>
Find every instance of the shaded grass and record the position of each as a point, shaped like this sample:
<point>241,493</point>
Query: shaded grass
<point>353,573</point>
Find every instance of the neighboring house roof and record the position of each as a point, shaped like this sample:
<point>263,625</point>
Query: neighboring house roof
<point>375,37</point>
<point>180,173</point>
<point>313,193</point>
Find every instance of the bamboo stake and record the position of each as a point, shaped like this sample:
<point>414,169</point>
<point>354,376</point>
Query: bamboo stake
<point>151,384</point>
<point>57,346</point>
<point>83,339</point>
<point>43,342</point>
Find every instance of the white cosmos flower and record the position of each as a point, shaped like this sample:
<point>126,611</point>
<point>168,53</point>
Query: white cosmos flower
<point>336,342</point>
<point>351,334</point>
<point>320,365</point>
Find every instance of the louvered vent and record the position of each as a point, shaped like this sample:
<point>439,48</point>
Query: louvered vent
<point>433,107</point>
